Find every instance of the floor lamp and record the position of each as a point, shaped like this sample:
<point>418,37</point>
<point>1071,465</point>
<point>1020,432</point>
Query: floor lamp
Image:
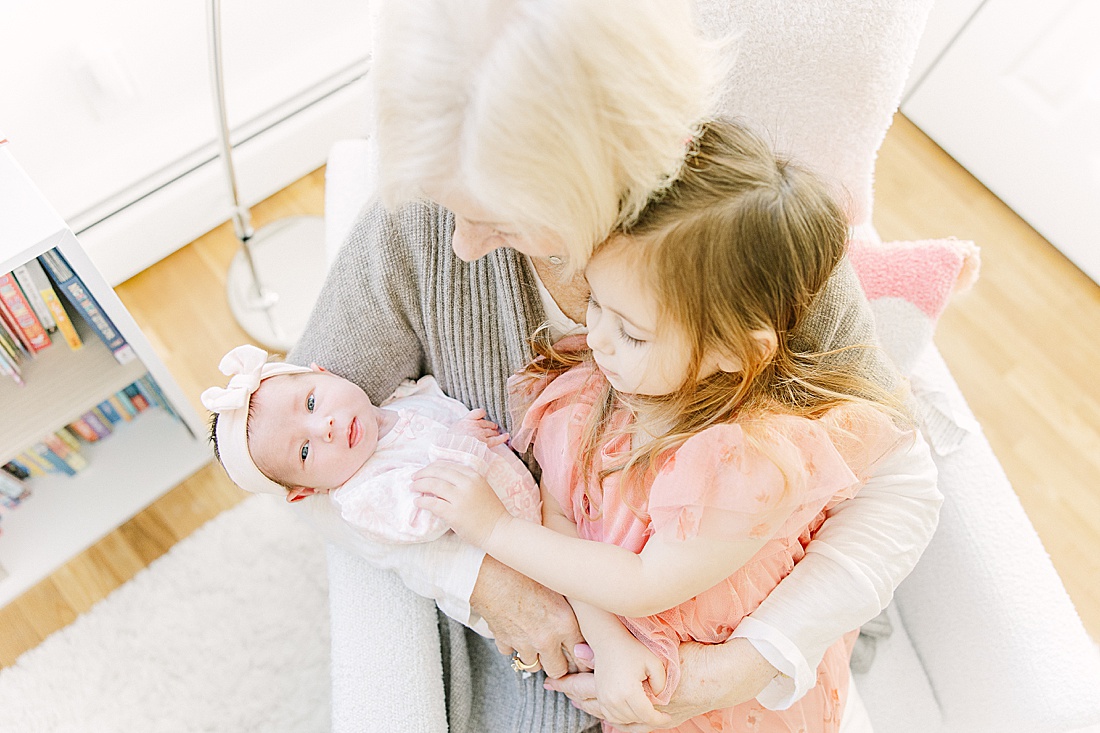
<point>274,279</point>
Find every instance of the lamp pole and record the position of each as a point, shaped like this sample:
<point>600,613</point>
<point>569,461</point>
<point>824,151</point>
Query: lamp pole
<point>276,274</point>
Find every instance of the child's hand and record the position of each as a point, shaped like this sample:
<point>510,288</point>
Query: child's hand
<point>476,426</point>
<point>462,498</point>
<point>621,666</point>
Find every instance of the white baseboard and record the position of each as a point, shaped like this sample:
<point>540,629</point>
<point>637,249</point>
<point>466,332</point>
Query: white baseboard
<point>156,225</point>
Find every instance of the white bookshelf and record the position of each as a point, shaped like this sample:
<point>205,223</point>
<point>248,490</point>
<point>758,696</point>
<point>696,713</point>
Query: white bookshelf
<point>138,462</point>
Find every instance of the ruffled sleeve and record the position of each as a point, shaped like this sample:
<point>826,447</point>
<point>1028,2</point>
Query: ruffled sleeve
<point>745,482</point>
<point>864,435</point>
<point>552,424</point>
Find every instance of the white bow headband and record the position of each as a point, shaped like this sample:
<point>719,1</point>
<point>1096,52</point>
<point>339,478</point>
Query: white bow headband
<point>246,366</point>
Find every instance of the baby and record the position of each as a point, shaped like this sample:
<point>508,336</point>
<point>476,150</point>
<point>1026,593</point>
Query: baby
<point>296,431</point>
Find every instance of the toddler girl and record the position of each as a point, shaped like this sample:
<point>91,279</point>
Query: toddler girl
<point>691,450</point>
<point>295,431</point>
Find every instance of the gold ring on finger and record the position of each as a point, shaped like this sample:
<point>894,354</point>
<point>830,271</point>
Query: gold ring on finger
<point>519,666</point>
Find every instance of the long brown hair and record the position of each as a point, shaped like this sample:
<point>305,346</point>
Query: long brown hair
<point>742,242</point>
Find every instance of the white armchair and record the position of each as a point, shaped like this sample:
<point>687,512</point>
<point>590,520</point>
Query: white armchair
<point>984,636</point>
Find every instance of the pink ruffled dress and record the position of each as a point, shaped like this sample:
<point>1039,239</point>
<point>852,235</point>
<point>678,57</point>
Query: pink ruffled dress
<point>718,483</point>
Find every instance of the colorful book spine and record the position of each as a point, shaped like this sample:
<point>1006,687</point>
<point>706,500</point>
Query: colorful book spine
<point>151,387</point>
<point>10,368</point>
<point>54,460</point>
<point>24,460</point>
<point>34,297</point>
<point>48,295</point>
<point>61,449</point>
<point>84,430</point>
<point>109,411</point>
<point>9,345</point>
<point>10,484</point>
<point>123,406</point>
<point>13,331</point>
<point>145,388</point>
<point>12,491</point>
<point>97,423</point>
<point>34,463</point>
<point>66,435</point>
<point>136,398</point>
<point>17,469</point>
<point>73,289</point>
<point>20,308</point>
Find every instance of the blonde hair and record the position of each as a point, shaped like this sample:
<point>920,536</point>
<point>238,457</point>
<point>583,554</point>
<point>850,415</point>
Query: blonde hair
<point>740,243</point>
<point>559,116</point>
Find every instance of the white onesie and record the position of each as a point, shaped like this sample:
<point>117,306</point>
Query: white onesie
<point>378,500</point>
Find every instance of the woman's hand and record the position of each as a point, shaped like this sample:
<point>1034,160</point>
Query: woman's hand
<point>711,677</point>
<point>462,498</point>
<point>475,425</point>
<point>527,617</point>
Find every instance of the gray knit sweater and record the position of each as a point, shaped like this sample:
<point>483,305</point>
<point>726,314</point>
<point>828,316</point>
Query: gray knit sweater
<point>398,304</point>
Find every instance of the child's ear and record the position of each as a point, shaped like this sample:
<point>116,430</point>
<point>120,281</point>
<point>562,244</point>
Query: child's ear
<point>316,368</point>
<point>298,493</point>
<point>766,342</point>
<point>728,363</point>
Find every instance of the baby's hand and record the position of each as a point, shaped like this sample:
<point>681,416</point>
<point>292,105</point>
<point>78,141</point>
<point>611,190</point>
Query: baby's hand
<point>462,498</point>
<point>620,669</point>
<point>476,426</point>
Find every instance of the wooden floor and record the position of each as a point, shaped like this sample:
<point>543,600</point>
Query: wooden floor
<point>1022,345</point>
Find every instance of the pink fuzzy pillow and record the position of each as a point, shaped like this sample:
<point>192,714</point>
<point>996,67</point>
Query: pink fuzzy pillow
<point>908,285</point>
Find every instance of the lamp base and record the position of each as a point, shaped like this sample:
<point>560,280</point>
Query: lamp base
<point>289,256</point>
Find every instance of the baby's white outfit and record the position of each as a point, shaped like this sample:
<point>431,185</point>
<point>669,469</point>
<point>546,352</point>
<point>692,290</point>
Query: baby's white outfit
<point>378,500</point>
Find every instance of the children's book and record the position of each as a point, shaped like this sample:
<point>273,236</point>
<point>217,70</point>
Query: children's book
<point>153,392</point>
<point>20,309</point>
<point>10,343</point>
<point>100,426</point>
<point>123,406</point>
<point>73,288</point>
<point>136,398</point>
<point>12,490</point>
<point>109,411</point>
<point>62,450</point>
<point>103,419</point>
<point>33,458</point>
<point>41,283</point>
<point>84,430</point>
<point>17,469</point>
<point>14,332</point>
<point>9,346</point>
<point>34,297</point>
<point>10,368</point>
<point>58,465</point>
<point>66,435</point>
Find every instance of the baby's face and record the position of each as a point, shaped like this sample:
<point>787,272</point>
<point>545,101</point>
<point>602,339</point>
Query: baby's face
<point>312,430</point>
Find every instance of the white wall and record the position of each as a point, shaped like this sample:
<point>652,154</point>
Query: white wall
<point>108,107</point>
<point>1015,99</point>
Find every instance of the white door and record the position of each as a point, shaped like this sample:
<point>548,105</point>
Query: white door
<point>1015,99</point>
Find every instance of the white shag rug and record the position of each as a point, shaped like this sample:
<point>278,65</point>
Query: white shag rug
<point>228,631</point>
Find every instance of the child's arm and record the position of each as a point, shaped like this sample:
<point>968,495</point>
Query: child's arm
<point>665,573</point>
<point>626,662</point>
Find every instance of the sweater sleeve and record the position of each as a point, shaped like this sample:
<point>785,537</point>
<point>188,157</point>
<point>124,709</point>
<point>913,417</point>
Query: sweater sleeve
<point>865,548</point>
<point>867,545</point>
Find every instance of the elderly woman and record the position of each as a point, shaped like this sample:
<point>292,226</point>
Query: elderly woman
<point>513,137</point>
